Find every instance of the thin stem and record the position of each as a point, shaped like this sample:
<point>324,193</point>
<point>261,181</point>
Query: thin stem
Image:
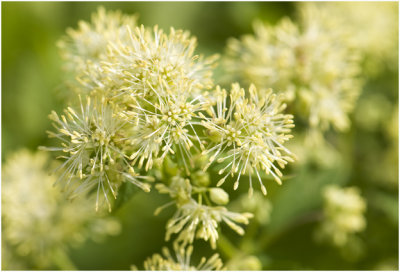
<point>247,243</point>
<point>228,250</point>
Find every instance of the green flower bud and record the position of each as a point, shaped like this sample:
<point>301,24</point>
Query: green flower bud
<point>170,167</point>
<point>201,178</point>
<point>214,135</point>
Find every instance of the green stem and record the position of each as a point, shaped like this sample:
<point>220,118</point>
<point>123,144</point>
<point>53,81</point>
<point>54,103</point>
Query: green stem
<point>207,200</point>
<point>247,243</point>
<point>228,250</point>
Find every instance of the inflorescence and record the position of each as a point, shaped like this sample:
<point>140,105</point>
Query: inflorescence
<point>147,100</point>
<point>144,111</point>
<point>144,97</point>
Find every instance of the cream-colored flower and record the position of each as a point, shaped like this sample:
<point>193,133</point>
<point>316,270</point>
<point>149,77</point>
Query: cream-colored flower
<point>182,261</point>
<point>164,127</point>
<point>196,220</point>
<point>94,146</point>
<point>344,210</point>
<point>219,196</point>
<point>36,218</point>
<point>87,45</point>
<point>267,58</point>
<point>258,205</point>
<point>372,27</point>
<point>316,67</point>
<point>152,56</point>
<point>195,216</point>
<point>248,133</point>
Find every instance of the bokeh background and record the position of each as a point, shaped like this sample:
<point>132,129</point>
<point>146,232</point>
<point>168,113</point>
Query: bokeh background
<point>32,85</point>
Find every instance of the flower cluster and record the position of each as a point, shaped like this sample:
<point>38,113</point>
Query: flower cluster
<point>94,142</point>
<point>193,218</point>
<point>252,130</point>
<point>312,63</point>
<point>87,46</point>
<point>148,109</point>
<point>182,261</point>
<point>37,219</point>
<point>344,210</point>
<point>139,88</point>
<point>152,56</point>
<point>147,100</point>
<point>372,33</point>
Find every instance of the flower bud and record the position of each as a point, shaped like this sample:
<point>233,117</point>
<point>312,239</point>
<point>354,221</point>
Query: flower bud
<point>219,196</point>
<point>201,178</point>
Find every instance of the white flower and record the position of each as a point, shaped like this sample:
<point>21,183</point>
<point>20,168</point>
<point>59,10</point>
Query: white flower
<point>88,44</point>
<point>315,65</point>
<point>94,145</point>
<point>344,210</point>
<point>37,219</point>
<point>373,31</point>
<point>196,220</point>
<point>164,127</point>
<point>253,130</point>
<point>152,55</point>
<point>181,261</point>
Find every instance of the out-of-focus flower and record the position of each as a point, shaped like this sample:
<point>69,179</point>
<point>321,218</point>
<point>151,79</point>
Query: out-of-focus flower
<point>182,261</point>
<point>37,219</point>
<point>87,46</point>
<point>315,67</point>
<point>344,210</point>
<point>258,205</point>
<point>253,130</point>
<point>374,31</point>
<point>266,58</point>
<point>310,147</point>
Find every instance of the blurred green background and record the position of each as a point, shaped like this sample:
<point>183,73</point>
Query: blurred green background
<point>32,84</point>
